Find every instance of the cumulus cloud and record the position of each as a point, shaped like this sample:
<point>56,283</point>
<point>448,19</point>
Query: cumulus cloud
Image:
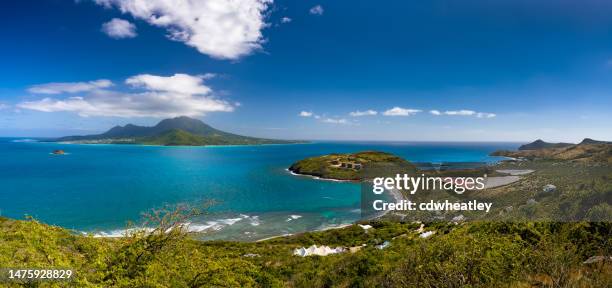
<point>399,111</point>
<point>463,113</point>
<point>69,87</point>
<point>157,96</point>
<point>363,113</point>
<point>119,28</point>
<point>223,29</point>
<point>305,114</point>
<point>179,83</point>
<point>285,20</point>
<point>317,10</point>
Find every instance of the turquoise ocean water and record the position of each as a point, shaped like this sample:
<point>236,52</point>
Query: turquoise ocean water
<point>98,188</point>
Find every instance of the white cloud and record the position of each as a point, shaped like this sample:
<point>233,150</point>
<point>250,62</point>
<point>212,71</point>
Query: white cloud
<point>305,114</point>
<point>460,112</point>
<point>224,29</point>
<point>485,115</point>
<point>317,10</point>
<point>324,119</point>
<point>398,111</point>
<point>463,113</point>
<point>285,20</point>
<point>163,97</point>
<point>69,87</point>
<point>363,113</point>
<point>335,121</point>
<point>179,83</point>
<point>119,28</point>
<point>3,106</point>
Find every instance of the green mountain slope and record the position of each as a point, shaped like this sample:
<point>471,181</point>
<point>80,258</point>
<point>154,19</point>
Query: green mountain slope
<point>179,131</point>
<point>585,152</point>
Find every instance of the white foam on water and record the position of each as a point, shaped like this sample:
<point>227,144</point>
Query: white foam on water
<point>219,224</point>
<point>325,227</point>
<point>293,217</point>
<point>316,177</point>
<point>230,221</point>
<point>200,227</point>
<point>118,232</point>
<point>255,221</point>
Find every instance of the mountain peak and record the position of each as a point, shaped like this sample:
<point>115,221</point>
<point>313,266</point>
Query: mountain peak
<point>185,123</point>
<point>592,141</point>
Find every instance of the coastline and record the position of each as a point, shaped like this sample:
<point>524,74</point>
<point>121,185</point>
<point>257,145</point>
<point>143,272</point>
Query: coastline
<point>320,178</point>
<point>397,195</point>
<point>171,146</point>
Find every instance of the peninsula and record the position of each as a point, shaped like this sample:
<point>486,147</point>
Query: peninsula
<point>348,166</point>
<point>587,151</point>
<point>179,131</point>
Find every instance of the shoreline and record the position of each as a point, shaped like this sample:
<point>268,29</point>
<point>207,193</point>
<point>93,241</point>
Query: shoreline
<point>172,146</point>
<point>320,178</point>
<point>122,233</point>
<point>39,141</point>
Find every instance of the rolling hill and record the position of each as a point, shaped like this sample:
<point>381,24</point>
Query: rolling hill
<point>587,151</point>
<point>539,144</point>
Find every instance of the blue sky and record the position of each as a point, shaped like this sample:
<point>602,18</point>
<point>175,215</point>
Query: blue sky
<point>428,70</point>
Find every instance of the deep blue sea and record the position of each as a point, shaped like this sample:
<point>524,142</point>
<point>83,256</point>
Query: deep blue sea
<point>99,188</point>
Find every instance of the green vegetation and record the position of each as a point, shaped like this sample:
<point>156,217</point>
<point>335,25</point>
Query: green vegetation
<point>581,190</point>
<point>540,144</point>
<point>180,131</point>
<point>348,166</point>
<point>590,151</point>
<point>477,255</point>
<point>176,137</point>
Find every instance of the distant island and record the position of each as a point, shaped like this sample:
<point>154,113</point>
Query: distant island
<point>179,131</point>
<point>347,166</point>
<point>540,144</point>
<point>587,151</point>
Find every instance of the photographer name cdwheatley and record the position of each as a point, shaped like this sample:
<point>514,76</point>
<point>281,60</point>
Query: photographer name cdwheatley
<point>407,205</point>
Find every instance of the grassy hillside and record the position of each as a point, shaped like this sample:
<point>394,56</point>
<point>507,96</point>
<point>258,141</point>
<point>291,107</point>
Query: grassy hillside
<point>477,255</point>
<point>587,153</point>
<point>539,144</point>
